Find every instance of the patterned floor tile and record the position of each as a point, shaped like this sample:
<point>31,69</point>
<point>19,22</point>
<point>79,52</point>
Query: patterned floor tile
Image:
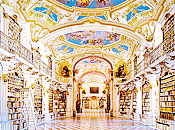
<point>93,122</point>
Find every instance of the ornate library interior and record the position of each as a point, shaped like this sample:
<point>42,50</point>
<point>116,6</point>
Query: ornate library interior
<point>87,65</point>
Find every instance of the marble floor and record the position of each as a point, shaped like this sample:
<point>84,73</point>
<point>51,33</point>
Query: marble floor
<point>93,122</point>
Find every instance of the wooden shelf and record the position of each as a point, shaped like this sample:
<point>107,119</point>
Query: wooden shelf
<point>145,98</point>
<point>125,101</point>
<point>15,83</point>
<point>167,98</point>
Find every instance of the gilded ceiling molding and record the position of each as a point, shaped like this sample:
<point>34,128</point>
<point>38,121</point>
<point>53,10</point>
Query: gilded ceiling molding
<point>147,31</point>
<point>128,33</point>
<point>92,53</point>
<point>53,26</point>
<point>6,2</point>
<point>37,32</point>
<point>82,50</point>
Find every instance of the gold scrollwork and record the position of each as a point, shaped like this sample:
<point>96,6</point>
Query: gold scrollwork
<point>65,71</point>
<point>5,77</point>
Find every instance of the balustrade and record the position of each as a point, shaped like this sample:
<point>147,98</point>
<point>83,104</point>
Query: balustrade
<point>14,47</point>
<point>158,52</point>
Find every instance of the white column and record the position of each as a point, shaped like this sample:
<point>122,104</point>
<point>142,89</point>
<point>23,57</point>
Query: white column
<point>1,89</point>
<point>4,94</point>
<point>68,103</point>
<point>152,97</point>
<point>44,96</point>
<point>117,101</point>
<point>139,98</point>
<point>1,19</point>
<point>48,117</point>
<point>3,97</point>
<point>81,99</point>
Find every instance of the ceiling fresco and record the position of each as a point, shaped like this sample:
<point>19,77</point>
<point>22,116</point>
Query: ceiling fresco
<point>91,4</point>
<point>92,37</point>
<point>81,17</point>
<point>47,11</point>
<point>113,29</point>
<point>136,10</point>
<point>93,64</point>
<point>120,48</point>
<point>65,49</point>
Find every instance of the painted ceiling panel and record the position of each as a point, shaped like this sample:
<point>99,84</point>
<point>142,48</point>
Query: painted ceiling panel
<point>120,48</point>
<point>81,17</point>
<point>91,4</point>
<point>134,11</point>
<point>47,11</point>
<point>92,37</point>
<point>65,49</point>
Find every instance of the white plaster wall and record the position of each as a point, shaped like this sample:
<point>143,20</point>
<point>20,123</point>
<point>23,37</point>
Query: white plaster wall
<point>158,35</point>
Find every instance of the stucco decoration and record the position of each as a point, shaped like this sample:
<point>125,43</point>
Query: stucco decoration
<point>120,71</point>
<point>65,71</point>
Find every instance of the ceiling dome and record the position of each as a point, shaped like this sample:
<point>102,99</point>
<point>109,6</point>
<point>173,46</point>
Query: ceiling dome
<point>91,4</point>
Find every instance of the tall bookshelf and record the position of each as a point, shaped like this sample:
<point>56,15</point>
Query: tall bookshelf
<point>134,101</point>
<point>135,61</point>
<point>50,64</point>
<point>62,106</point>
<point>167,82</point>
<point>51,101</point>
<point>43,104</point>
<point>14,29</point>
<point>125,102</point>
<point>56,103</point>
<point>169,35</point>
<point>38,91</point>
<point>146,99</point>
<point>167,102</point>
<point>15,83</point>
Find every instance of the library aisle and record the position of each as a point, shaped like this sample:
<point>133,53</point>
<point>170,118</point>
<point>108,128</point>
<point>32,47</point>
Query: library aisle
<point>87,64</point>
<point>93,123</point>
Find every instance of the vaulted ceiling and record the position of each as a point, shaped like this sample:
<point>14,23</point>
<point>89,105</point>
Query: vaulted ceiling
<point>71,29</point>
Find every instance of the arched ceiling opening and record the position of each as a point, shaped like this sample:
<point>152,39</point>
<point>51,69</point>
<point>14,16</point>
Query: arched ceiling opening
<point>92,65</point>
<point>93,79</point>
<point>93,76</point>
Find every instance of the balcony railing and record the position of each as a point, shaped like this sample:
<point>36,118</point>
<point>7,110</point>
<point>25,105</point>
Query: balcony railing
<point>45,68</point>
<point>14,47</point>
<point>56,75</point>
<point>36,63</point>
<point>139,67</point>
<point>158,52</point>
<point>129,75</point>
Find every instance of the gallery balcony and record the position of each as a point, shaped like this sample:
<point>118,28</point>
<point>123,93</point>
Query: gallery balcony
<point>161,53</point>
<point>12,48</point>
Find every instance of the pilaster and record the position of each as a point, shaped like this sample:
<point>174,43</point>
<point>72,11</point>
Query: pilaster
<point>117,102</point>
<point>69,104</point>
<point>5,124</point>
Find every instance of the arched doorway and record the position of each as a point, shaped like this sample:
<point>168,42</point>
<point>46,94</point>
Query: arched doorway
<point>92,84</point>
